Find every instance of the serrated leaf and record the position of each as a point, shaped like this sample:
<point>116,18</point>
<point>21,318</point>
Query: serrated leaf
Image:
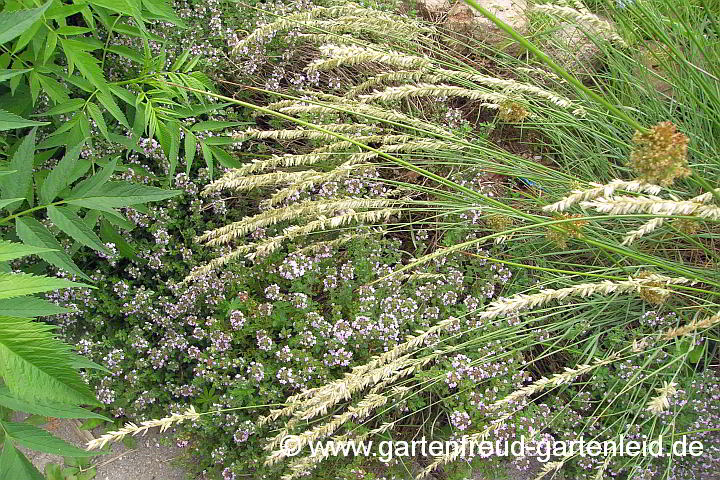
<point>12,250</point>
<point>190,151</point>
<point>19,284</point>
<point>19,184</point>
<point>207,154</point>
<point>72,105</point>
<point>122,194</point>
<point>14,465</point>
<point>6,74</point>
<point>109,103</point>
<point>48,409</point>
<point>57,92</point>
<point>35,233</point>
<point>65,173</point>
<point>68,221</point>
<point>10,121</point>
<point>13,24</point>
<point>29,307</point>
<point>40,440</point>
<point>8,201</point>
<point>89,185</point>
<point>36,366</point>
<point>87,65</point>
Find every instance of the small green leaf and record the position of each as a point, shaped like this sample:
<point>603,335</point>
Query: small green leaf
<point>107,101</point>
<point>5,74</point>
<point>67,221</point>
<point>90,185</point>
<point>35,233</point>
<point>10,121</point>
<point>122,194</point>
<point>72,105</point>
<point>91,423</point>
<point>19,284</point>
<point>19,184</point>
<point>12,250</point>
<point>38,367</point>
<point>207,154</point>
<point>63,174</point>
<point>190,151</point>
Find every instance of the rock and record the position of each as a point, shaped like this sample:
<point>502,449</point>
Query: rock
<point>465,20</point>
<point>433,9</point>
<point>649,68</point>
<point>571,48</point>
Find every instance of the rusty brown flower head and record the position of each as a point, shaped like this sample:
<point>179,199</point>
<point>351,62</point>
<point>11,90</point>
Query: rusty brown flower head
<point>660,155</point>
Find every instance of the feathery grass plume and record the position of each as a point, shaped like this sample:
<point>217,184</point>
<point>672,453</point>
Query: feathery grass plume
<point>522,301</point>
<point>322,223</point>
<point>359,378</point>
<point>356,412</point>
<point>295,20</point>
<point>598,190</point>
<point>308,208</point>
<point>362,24</point>
<point>685,225</point>
<point>692,327</point>
<point>445,75</point>
<point>352,55</point>
<point>287,160</point>
<point>133,429</point>
<point>297,133</point>
<point>316,247</point>
<point>621,205</point>
<point>660,155</point>
<point>582,17</point>
<point>661,402</point>
<point>556,380</point>
<point>236,181</point>
<point>431,90</point>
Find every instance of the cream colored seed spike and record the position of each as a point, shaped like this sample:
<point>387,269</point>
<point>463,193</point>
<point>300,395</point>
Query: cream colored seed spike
<point>598,190</point>
<point>655,223</point>
<point>430,90</point>
<point>624,205</point>
<point>297,19</point>
<point>351,55</point>
<point>234,181</point>
<point>233,231</point>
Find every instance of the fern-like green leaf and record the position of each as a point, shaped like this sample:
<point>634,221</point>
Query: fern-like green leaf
<point>38,367</point>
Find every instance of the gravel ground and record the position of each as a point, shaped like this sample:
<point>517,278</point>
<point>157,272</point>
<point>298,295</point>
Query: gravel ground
<point>147,460</point>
